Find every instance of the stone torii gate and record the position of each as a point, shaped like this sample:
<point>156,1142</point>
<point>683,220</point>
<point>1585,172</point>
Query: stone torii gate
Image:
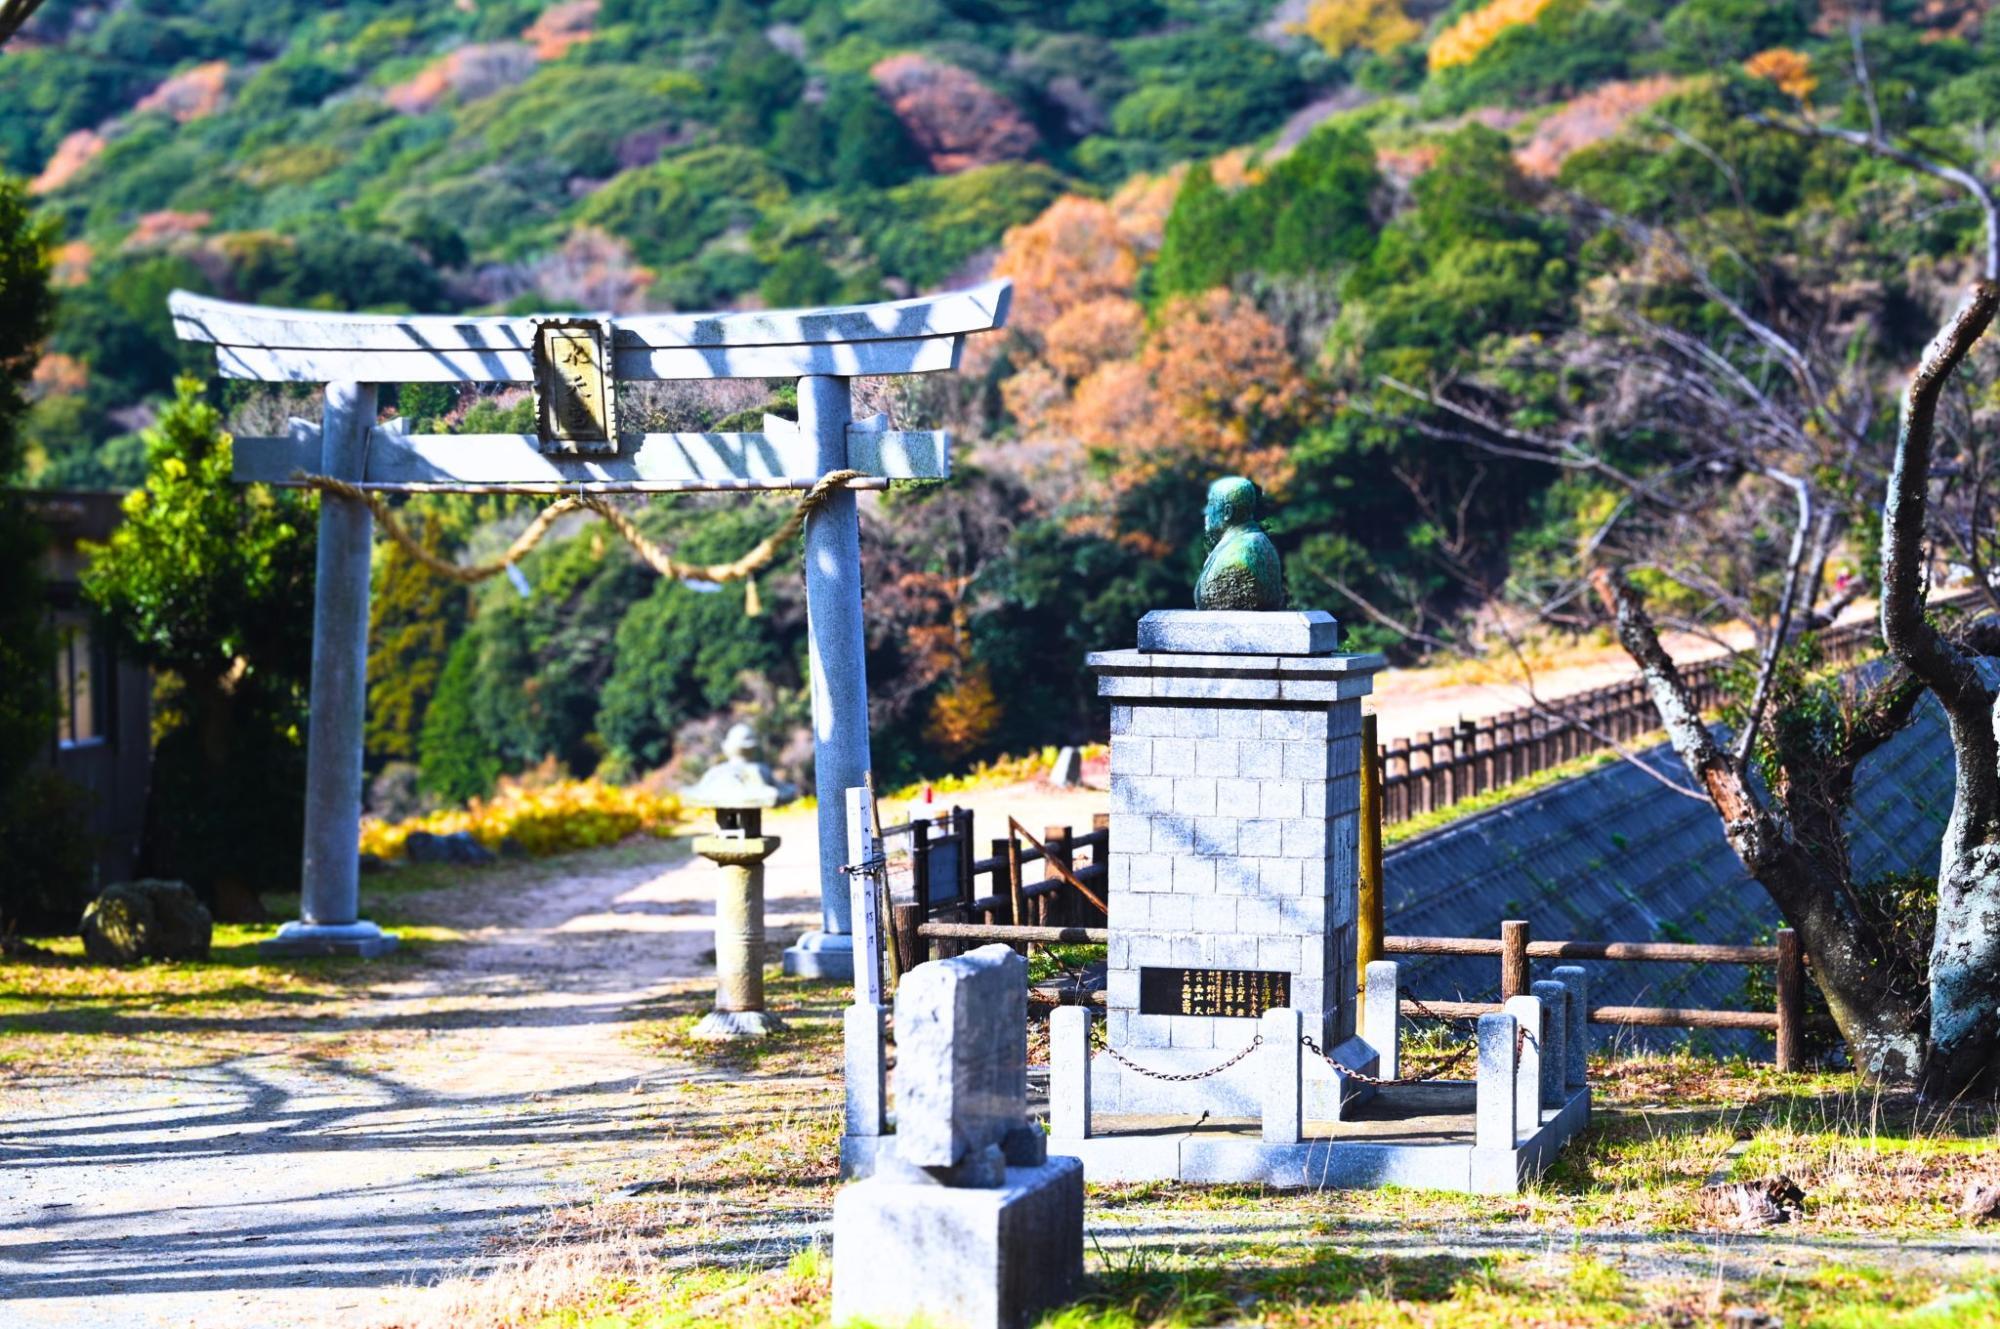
<point>575,364</point>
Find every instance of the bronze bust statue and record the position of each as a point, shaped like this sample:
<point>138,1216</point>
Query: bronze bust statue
<point>1242,570</point>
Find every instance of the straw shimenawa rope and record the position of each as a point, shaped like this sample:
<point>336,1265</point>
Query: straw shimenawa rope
<point>655,557</point>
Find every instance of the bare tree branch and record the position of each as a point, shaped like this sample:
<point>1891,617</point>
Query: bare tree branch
<point>14,13</point>
<point>1909,635</point>
<point>1774,649</point>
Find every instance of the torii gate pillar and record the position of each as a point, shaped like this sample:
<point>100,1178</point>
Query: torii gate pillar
<point>330,921</point>
<point>837,650</point>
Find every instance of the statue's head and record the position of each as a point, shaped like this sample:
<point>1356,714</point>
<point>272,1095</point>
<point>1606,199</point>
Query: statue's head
<point>1232,501</point>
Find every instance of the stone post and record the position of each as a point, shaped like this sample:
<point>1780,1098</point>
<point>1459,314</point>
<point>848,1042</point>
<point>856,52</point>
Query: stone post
<point>835,646</point>
<point>1527,1013</point>
<point>867,1083</point>
<point>1496,1168</point>
<point>330,921</point>
<point>1576,1038</point>
<point>1069,1073</point>
<point>739,936</point>
<point>1555,1034</point>
<point>1382,1016</point>
<point>1283,1070</point>
<point>967,1220</point>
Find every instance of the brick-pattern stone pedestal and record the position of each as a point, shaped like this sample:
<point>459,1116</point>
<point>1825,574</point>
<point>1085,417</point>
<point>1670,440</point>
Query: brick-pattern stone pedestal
<point>1235,819</point>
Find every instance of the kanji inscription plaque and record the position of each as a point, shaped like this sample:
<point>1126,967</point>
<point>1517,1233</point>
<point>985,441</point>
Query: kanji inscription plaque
<point>1245,993</point>
<point>575,395</point>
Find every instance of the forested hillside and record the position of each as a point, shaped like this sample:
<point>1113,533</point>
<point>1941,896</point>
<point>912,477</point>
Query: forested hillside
<point>1375,255</point>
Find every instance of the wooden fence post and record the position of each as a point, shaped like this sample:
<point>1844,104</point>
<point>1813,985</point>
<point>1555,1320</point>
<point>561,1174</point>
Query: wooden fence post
<point>1513,958</point>
<point>1791,1000</point>
<point>1057,905</point>
<point>1368,921</point>
<point>905,920</point>
<point>1013,901</point>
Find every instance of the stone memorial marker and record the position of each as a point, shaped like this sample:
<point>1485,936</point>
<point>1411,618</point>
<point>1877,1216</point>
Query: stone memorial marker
<point>966,1222</point>
<point>1235,821</point>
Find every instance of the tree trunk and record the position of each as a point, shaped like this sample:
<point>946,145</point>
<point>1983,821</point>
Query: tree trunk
<point>1964,1043</point>
<point>1802,862</point>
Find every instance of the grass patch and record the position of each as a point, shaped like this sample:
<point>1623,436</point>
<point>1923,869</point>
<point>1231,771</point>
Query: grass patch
<point>1394,833</point>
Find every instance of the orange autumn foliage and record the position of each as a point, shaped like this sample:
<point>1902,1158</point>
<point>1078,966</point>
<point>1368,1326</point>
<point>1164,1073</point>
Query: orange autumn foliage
<point>560,27</point>
<point>77,150</point>
<point>1591,118</point>
<point>155,229</point>
<point>1142,205</point>
<point>1215,383</point>
<point>72,263</point>
<point>965,716</point>
<point>1073,253</point>
<point>190,94</point>
<point>1790,70</point>
<point>1087,335</point>
<point>472,72</point>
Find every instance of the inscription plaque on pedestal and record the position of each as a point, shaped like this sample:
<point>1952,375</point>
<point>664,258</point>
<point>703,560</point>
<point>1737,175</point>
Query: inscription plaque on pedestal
<point>1237,993</point>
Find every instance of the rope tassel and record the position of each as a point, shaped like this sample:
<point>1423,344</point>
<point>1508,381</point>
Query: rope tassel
<point>744,569</point>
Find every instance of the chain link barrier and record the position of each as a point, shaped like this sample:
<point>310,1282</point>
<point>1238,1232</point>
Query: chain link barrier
<point>1133,1066</point>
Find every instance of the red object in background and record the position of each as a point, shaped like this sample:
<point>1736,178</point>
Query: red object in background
<point>927,793</point>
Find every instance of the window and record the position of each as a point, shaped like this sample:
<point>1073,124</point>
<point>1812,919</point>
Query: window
<point>83,673</point>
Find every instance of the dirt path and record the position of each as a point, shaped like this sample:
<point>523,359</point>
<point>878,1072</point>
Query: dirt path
<point>276,1188</point>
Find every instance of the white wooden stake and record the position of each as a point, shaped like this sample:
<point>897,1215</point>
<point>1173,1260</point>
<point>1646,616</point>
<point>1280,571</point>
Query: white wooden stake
<point>864,848</point>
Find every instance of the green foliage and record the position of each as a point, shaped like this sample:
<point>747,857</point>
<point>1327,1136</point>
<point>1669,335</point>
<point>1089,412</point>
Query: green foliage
<point>39,874</point>
<point>1709,34</point>
<point>1312,212</point>
<point>681,654</point>
<point>457,762</point>
<point>1571,46</point>
<point>26,308</point>
<point>413,617</point>
<point>668,211</point>
<point>210,584</point>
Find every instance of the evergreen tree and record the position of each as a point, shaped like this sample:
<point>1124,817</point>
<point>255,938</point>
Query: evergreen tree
<point>413,618</point>
<point>211,583</point>
<point>31,879</point>
<point>455,760</point>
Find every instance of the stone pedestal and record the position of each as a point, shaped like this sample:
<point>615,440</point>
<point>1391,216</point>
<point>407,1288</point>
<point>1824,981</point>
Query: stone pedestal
<point>959,1257</point>
<point>967,1223</point>
<point>1235,821</point>
<point>739,938</point>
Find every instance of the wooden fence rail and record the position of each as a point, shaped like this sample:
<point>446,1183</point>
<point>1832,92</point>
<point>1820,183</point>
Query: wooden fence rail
<point>1514,949</point>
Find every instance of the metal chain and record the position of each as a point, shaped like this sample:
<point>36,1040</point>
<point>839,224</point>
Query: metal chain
<point>1135,1067</point>
<point>1436,1072</point>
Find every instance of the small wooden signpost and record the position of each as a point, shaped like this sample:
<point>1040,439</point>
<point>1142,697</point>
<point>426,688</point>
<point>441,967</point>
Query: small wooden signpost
<point>576,364</point>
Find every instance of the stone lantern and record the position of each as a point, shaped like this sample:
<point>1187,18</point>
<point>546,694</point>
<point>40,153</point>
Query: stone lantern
<point>738,788</point>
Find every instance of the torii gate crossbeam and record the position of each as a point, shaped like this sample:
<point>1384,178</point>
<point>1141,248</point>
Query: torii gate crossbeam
<point>354,353</point>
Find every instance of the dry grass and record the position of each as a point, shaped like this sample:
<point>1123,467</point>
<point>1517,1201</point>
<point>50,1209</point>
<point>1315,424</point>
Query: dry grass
<point>1614,1235</point>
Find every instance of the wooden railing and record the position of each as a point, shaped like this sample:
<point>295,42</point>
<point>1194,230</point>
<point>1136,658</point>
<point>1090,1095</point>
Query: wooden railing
<point>947,907</point>
<point>1515,949</point>
<point>1448,766</point>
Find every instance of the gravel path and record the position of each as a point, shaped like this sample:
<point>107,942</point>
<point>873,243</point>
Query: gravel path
<point>277,1189</point>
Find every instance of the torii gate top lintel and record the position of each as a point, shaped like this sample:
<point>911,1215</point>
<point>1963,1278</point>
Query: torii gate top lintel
<point>919,335</point>
<point>576,363</point>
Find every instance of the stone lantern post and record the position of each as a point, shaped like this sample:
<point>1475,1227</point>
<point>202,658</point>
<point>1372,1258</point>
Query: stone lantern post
<point>738,789</point>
